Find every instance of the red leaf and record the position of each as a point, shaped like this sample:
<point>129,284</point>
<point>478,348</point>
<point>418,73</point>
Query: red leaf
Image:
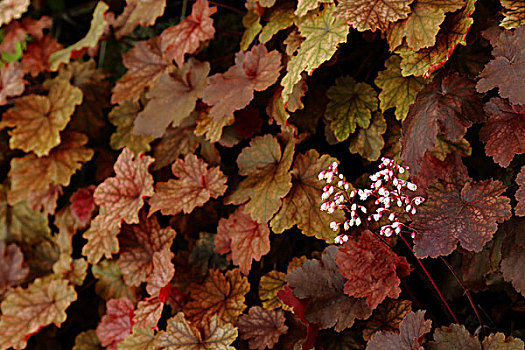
<point>186,36</point>
<point>432,169</point>
<point>372,269</point>
<point>520,193</point>
<point>36,56</point>
<point>83,204</point>
<point>504,132</point>
<point>116,324</point>
<point>456,211</point>
<point>449,105</point>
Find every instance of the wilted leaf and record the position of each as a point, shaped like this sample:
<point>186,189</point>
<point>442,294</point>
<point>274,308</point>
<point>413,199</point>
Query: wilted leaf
<point>372,14</point>
<point>372,269</point>
<point>262,327</point>
<point>422,25</point>
<point>456,211</point>
<point>115,325</point>
<point>173,98</point>
<point>301,205</point>
<point>110,281</point>
<point>137,244</point>
<point>36,57</point>
<point>38,120</point>
<point>11,271</point>
<point>219,295</point>
<point>369,142</point>
<point>452,33</point>
<point>139,339</point>
<point>138,13</point>
<point>11,81</point>
<point>514,12</point>
<point>145,63</point>
<point>387,317</point>
<point>98,23</point>
<point>320,282</point>
<point>411,332</point>
<point>12,9</point>
<point>187,36</point>
<point>322,33</point>
<point>520,193</point>
<point>33,175</point>
<point>268,177</point>
<point>396,90</point>
<point>248,240</point>
<point>123,116</point>
<point>255,70</point>
<point>449,105</point>
<point>504,132</point>
<point>26,310</point>
<point>351,104</point>
<point>195,185</point>
<point>507,70</point>
<point>180,335</point>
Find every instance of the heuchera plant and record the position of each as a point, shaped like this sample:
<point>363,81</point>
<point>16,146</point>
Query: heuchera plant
<point>172,174</point>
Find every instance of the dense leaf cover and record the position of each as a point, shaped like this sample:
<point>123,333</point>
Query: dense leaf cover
<point>165,168</point>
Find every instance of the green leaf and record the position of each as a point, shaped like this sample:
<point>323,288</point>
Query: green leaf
<point>303,6</point>
<point>369,142</point>
<point>351,104</point>
<point>250,21</point>
<point>281,18</point>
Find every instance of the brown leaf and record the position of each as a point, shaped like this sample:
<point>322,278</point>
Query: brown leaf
<point>46,201</point>
<point>456,211</point>
<point>372,269</point>
<point>513,257</point>
<point>195,185</point>
<point>138,13</point>
<point>387,317</point>
<point>11,81</point>
<point>187,36</point>
<point>246,238</point>
<point>320,282</point>
<point>11,271</point>
<point>262,327</point>
<point>520,193</point>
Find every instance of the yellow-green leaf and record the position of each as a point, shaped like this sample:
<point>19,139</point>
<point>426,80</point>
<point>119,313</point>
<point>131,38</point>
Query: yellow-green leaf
<point>250,21</point>
<point>123,116</point>
<point>369,142</point>
<point>514,12</point>
<point>281,18</point>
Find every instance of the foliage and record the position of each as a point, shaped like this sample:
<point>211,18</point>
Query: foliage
<point>172,174</point>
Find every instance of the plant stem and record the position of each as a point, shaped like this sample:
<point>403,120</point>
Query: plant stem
<point>231,8</point>
<point>183,10</point>
<point>466,291</point>
<point>431,281</point>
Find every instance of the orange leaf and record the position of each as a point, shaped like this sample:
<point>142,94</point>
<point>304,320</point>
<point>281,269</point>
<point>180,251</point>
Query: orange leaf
<point>186,36</point>
<point>138,13</point>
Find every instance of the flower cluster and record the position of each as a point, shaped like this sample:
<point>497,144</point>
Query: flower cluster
<point>386,187</point>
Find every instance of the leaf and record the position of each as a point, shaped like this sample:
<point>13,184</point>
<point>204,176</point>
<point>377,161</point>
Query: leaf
<point>303,6</point>
<point>83,204</point>
<point>26,310</point>
<point>301,205</point>
<point>504,132</point>
<point>411,332</point>
<point>139,339</point>
<point>148,312</point>
<point>46,201</point>
<point>498,341</point>
<point>520,193</point>
<point>11,81</point>
<point>186,36</point>
<point>261,327</point>
<point>180,335</point>
<point>110,281</point>
<point>123,116</point>
<point>280,18</point>
<point>220,295</point>
<point>33,175</point>
<point>138,13</point>
<point>372,269</point>
<point>87,340</point>
<point>36,57</point>
<point>351,104</point>
<point>248,240</point>
<point>444,147</point>
<point>268,177</point>
<point>449,105</point>
<point>11,271</point>
<point>211,128</point>
<point>322,33</point>
<point>369,142</point>
<point>251,21</point>
<point>163,271</point>
<point>101,237</point>
<point>456,211</point>
<point>195,185</point>
<point>387,317</point>
<point>173,98</point>
<point>255,70</point>
<point>452,33</point>
<point>514,12</point>
<point>12,9</point>
<point>372,14</point>
<point>145,63</point>
<point>294,99</point>
<point>320,282</point>
<point>98,23</point>
<point>432,169</point>
<point>507,70</point>
<point>512,258</point>
<point>138,243</point>
<point>116,324</point>
<point>123,195</point>
<point>37,120</point>
<point>269,285</point>
<point>396,90</point>
<point>73,270</point>
<point>422,25</point>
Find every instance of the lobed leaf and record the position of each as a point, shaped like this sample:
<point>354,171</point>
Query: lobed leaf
<point>138,13</point>
<point>262,327</point>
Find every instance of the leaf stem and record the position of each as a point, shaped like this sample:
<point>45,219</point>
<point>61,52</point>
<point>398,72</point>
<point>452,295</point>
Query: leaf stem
<point>231,8</point>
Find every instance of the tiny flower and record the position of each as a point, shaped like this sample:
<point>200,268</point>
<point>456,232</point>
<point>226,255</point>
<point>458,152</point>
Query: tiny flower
<point>413,210</point>
<point>363,209</point>
<point>408,208</point>
<point>358,221</point>
<point>411,186</point>
<point>325,195</point>
<point>334,225</point>
<point>401,170</point>
<point>391,217</point>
